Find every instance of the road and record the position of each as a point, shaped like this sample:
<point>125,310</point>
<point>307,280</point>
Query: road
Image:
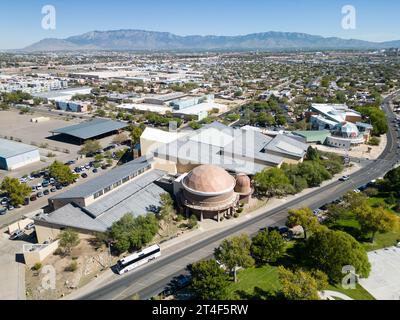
<point>153,278</point>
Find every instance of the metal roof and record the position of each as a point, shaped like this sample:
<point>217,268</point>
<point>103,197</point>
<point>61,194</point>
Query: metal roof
<point>137,197</point>
<point>99,183</point>
<point>9,149</point>
<point>92,128</point>
<point>314,136</point>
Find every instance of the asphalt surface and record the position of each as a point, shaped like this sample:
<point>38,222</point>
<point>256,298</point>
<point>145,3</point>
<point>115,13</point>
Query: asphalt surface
<point>154,277</point>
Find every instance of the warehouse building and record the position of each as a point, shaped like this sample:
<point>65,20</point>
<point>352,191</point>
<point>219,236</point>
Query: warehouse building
<point>14,155</point>
<point>95,205</point>
<point>90,130</point>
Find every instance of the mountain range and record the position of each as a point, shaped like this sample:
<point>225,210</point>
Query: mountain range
<point>141,40</point>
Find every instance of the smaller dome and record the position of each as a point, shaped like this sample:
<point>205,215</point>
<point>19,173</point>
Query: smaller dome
<point>243,184</point>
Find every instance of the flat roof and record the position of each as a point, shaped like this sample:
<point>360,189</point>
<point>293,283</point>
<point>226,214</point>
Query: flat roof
<point>92,128</point>
<point>9,149</point>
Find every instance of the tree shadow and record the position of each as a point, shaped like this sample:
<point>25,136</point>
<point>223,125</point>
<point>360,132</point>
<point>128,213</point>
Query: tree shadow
<point>259,294</point>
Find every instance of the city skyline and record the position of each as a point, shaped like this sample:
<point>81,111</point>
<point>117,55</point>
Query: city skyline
<point>374,22</point>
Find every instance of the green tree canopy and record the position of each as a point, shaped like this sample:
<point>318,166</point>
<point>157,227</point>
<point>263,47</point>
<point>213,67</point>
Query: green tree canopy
<point>131,233</point>
<point>272,182</point>
<point>301,285</point>
<point>235,252</point>
<point>305,218</point>
<point>62,173</point>
<point>17,192</point>
<point>330,251</point>
<point>375,220</point>
<point>90,146</point>
<point>209,280</point>
<point>267,247</point>
<point>68,240</point>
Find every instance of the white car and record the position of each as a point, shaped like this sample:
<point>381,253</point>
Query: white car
<point>357,191</point>
<point>344,178</point>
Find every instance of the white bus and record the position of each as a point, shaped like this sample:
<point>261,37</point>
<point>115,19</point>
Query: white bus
<point>137,259</point>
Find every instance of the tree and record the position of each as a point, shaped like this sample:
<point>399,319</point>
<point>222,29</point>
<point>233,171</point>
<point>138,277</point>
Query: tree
<point>167,206</point>
<point>375,220</point>
<point>392,180</point>
<point>17,192</point>
<point>62,173</point>
<point>132,233</point>
<point>267,247</point>
<point>135,133</point>
<point>209,280</point>
<point>313,172</point>
<point>305,218</point>
<point>312,154</point>
<point>300,285</point>
<point>90,147</point>
<point>235,253</point>
<point>68,240</point>
<point>329,251</point>
<point>272,182</point>
<point>118,139</point>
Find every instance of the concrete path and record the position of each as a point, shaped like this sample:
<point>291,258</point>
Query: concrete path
<point>331,295</point>
<point>12,275</point>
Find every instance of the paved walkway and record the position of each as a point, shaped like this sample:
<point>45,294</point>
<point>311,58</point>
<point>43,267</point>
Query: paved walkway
<point>12,273</point>
<point>331,295</point>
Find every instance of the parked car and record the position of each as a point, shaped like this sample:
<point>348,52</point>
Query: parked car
<point>40,195</point>
<point>344,178</point>
<point>10,207</point>
<point>84,175</point>
<point>3,211</point>
<point>39,187</point>
<point>26,202</point>
<point>4,201</point>
<point>30,226</point>
<point>45,184</point>
<point>95,170</point>
<point>54,189</point>
<point>16,235</point>
<point>33,198</point>
<point>46,192</point>
<point>59,187</point>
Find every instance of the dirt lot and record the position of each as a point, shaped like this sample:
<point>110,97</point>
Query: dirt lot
<point>90,262</point>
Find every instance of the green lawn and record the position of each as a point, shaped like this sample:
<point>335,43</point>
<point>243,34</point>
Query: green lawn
<point>266,278</point>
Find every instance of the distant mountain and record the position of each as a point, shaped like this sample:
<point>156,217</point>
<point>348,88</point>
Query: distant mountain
<point>137,40</point>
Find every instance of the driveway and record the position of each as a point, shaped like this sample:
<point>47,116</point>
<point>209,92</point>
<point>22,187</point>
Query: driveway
<point>12,273</point>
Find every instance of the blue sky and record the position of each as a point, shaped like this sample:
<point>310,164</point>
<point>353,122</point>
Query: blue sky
<point>20,20</point>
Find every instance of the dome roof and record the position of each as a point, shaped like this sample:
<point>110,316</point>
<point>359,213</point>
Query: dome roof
<point>209,180</point>
<point>243,184</point>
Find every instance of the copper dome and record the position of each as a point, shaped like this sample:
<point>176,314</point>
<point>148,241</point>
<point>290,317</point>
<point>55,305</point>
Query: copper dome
<point>243,184</point>
<point>209,180</point>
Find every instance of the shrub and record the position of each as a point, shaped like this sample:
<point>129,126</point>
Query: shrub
<point>37,266</point>
<point>73,266</point>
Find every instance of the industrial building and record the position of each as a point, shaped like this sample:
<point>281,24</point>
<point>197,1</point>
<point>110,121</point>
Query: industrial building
<point>14,155</point>
<point>93,129</point>
<point>95,205</point>
<point>72,106</point>
<point>63,95</point>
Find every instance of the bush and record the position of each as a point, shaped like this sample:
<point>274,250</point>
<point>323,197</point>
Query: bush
<point>58,252</point>
<point>192,222</point>
<point>73,266</point>
<point>37,266</point>
<point>371,192</point>
<point>236,214</point>
<point>374,141</point>
<point>240,210</point>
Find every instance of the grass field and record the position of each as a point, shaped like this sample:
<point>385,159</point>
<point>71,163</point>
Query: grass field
<point>263,281</point>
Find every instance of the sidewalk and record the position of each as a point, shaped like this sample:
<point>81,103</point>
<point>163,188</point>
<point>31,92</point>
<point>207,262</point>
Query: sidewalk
<point>12,275</point>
